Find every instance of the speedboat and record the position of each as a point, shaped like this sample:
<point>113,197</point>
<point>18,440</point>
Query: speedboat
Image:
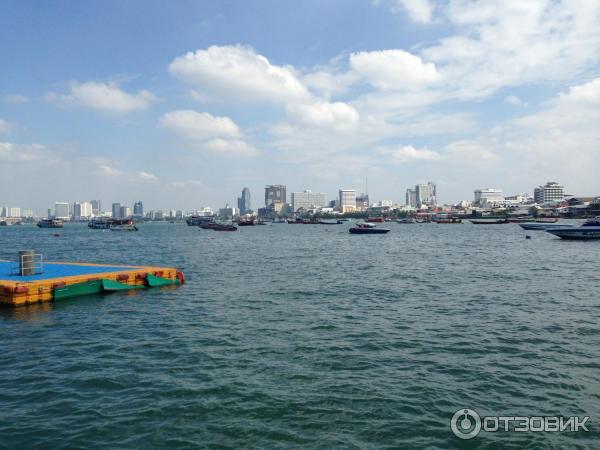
<point>367,228</point>
<point>589,230</point>
<point>543,226</point>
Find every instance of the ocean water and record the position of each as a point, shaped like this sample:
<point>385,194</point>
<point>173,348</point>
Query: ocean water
<point>304,336</point>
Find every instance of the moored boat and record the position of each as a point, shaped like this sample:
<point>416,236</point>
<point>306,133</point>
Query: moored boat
<point>218,226</point>
<point>375,219</point>
<point>489,221</point>
<point>407,220</point>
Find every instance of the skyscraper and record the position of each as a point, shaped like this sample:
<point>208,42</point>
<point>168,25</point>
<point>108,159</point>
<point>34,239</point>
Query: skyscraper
<point>96,207</point>
<point>61,210</point>
<point>244,204</point>
<point>307,200</point>
<point>347,201</point>
<point>116,210</point>
<point>426,194</point>
<point>138,209</point>
<point>275,193</point>
<point>411,197</point>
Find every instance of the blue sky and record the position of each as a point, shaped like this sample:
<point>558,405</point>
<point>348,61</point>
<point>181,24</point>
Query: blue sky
<point>182,104</point>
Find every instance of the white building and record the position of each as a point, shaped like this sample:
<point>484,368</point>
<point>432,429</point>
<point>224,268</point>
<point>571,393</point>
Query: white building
<point>551,192</point>
<point>61,210</point>
<point>82,210</point>
<point>488,196</point>
<point>308,200</point>
<point>14,212</point>
<point>227,212</point>
<point>347,201</point>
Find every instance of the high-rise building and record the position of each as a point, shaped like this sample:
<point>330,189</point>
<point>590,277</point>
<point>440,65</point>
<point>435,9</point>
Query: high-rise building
<point>61,210</point>
<point>362,201</point>
<point>347,200</point>
<point>138,209</point>
<point>28,213</point>
<point>14,212</point>
<point>275,193</point>
<point>426,194</point>
<point>550,192</point>
<point>227,212</point>
<point>96,207</point>
<point>124,212</point>
<point>116,210</point>
<point>244,204</point>
<point>411,198</point>
<point>82,210</point>
<point>488,196</point>
<point>3,211</point>
<point>308,200</point>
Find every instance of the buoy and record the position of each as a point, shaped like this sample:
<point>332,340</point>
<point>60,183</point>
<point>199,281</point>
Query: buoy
<point>527,237</point>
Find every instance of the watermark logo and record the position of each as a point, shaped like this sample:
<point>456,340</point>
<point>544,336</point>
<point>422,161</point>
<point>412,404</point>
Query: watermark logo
<point>466,423</point>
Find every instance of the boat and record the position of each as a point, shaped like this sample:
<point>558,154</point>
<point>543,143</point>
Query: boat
<point>546,220</point>
<point>50,223</point>
<point>375,219</point>
<point>542,226</point>
<point>218,226</point>
<point>447,220</point>
<point>406,220</point>
<point>587,231</point>
<point>124,227</point>
<point>246,222</point>
<point>331,222</point>
<point>105,223</point>
<point>367,228</point>
<point>194,221</point>
<point>527,219</point>
<point>489,221</point>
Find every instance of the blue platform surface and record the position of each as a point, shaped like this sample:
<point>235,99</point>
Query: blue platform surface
<point>57,270</point>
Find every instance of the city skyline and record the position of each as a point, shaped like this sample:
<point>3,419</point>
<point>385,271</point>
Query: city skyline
<point>324,96</point>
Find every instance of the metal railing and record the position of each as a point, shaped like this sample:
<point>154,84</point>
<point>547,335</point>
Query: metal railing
<point>30,264</point>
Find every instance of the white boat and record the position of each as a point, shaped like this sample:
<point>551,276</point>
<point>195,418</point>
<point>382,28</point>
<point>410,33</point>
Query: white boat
<point>587,231</point>
<point>543,226</point>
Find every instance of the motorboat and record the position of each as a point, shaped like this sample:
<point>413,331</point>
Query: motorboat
<point>218,226</point>
<point>124,227</point>
<point>367,228</point>
<point>587,231</point>
<point>51,223</point>
<point>542,226</point>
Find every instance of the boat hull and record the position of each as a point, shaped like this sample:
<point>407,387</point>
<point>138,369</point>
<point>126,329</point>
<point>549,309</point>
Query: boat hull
<point>580,233</point>
<point>542,226</point>
<point>368,230</point>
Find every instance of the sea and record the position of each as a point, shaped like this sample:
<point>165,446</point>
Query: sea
<point>305,336</point>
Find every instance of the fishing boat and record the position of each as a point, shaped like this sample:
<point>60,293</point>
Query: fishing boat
<point>587,231</point>
<point>367,228</point>
<point>50,223</point>
<point>542,226</point>
<point>489,221</point>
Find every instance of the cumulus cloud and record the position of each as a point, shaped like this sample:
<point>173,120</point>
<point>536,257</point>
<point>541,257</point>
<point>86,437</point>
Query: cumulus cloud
<point>420,11</point>
<point>337,115</point>
<point>239,73</point>
<point>232,147</point>
<point>104,97</point>
<point>199,125</point>
<point>393,69</point>
<point>408,153</point>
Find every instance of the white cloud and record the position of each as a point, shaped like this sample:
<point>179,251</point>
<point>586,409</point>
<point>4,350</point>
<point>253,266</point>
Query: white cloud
<point>19,153</point>
<point>238,73</point>
<point>470,153</point>
<point>147,176</point>
<point>15,99</point>
<point>408,153</point>
<point>104,97</point>
<point>393,69</point>
<point>199,125</point>
<point>106,170</point>
<point>514,100</point>
<point>5,126</point>
<point>336,115</point>
<point>233,147</point>
<point>420,11</point>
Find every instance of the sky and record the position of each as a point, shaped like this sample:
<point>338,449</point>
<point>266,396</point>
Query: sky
<point>182,104</point>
